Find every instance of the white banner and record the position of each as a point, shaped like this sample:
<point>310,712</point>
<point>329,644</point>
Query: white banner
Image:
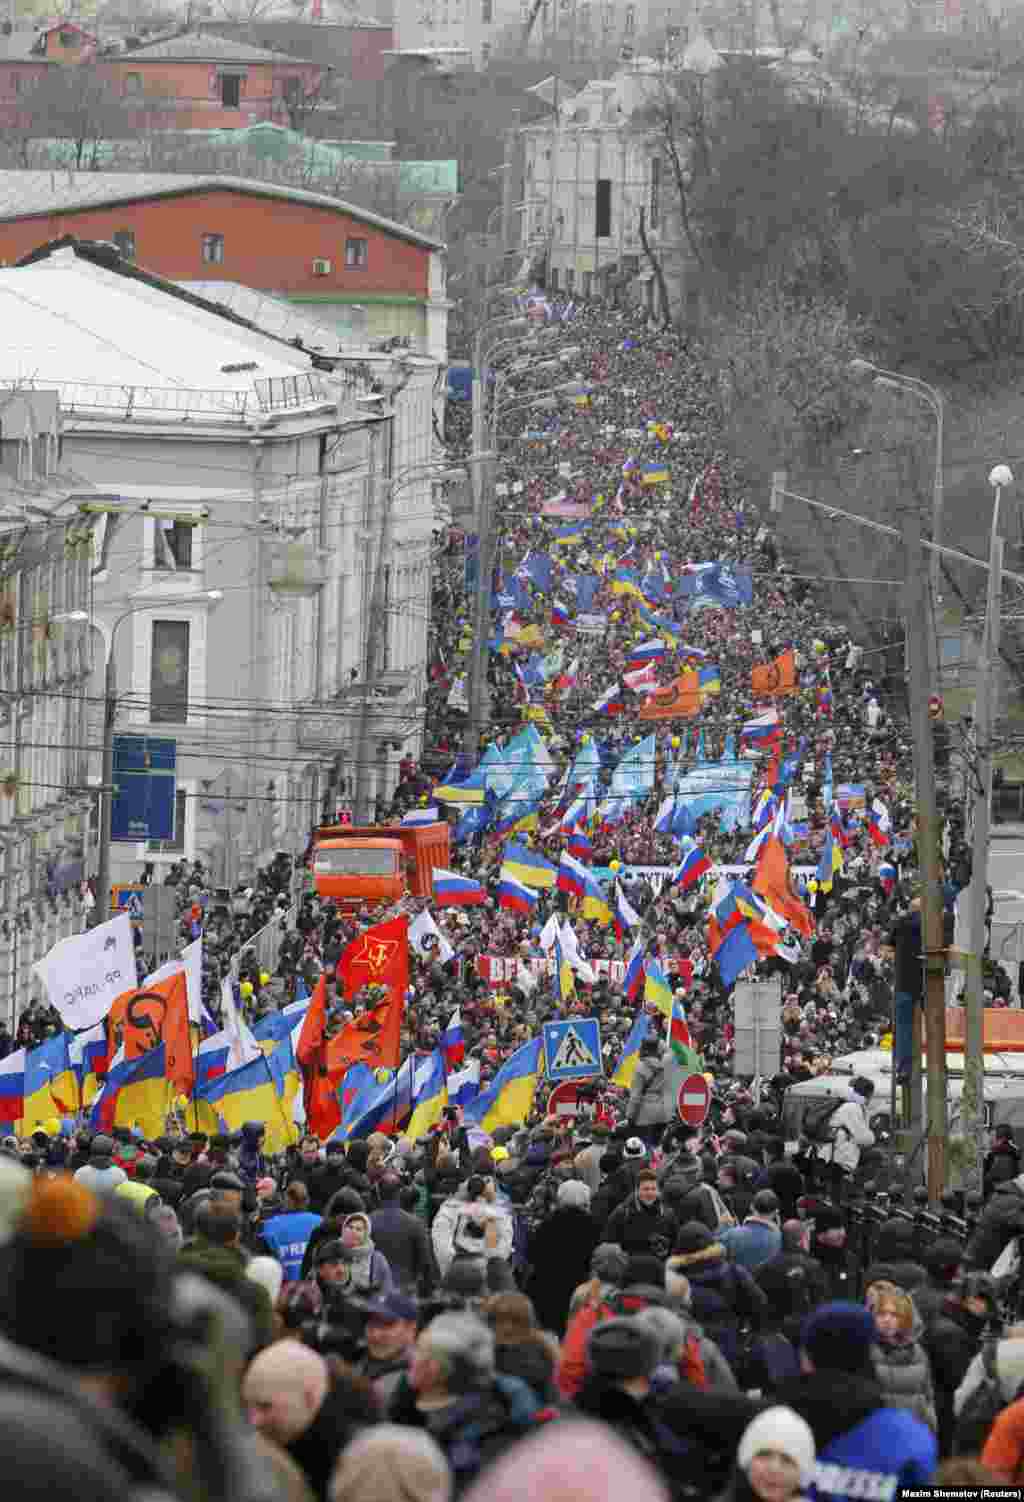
<point>83,975</point>
<point>191,963</point>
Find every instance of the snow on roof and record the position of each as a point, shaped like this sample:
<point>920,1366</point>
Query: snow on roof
<point>24,195</point>
<point>110,343</point>
<point>207,47</point>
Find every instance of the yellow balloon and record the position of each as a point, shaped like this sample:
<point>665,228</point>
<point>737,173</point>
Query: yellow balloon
<point>246,988</point>
<point>615,615</point>
<point>615,865</point>
<point>676,743</point>
<point>264,977</point>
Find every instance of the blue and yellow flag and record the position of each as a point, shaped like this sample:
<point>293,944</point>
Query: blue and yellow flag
<point>241,1095</point>
<point>595,904</point>
<point>626,1067</point>
<point>51,1087</point>
<point>508,1100</point>
<point>430,1095</point>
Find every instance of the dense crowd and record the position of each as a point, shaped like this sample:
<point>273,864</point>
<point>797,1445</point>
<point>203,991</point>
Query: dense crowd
<point>383,1319</point>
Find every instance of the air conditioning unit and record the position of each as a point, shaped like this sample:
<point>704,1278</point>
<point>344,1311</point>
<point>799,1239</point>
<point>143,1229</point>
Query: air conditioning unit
<point>322,268</point>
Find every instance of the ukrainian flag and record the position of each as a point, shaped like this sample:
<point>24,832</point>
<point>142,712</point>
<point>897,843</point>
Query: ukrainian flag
<point>831,861</point>
<point>626,582</point>
<point>51,1087</point>
<point>284,1071</point>
<point>626,1067</point>
<point>89,1052</point>
<point>595,904</point>
<point>657,991</point>
<point>509,1099</point>
<point>654,474</point>
<point>565,986</point>
<point>241,1095</point>
<point>566,536</point>
<point>430,1096</point>
<point>137,1093</point>
<point>710,679</point>
<point>527,866</point>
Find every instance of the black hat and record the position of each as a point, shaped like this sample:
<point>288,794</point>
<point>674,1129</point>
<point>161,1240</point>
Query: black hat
<point>643,1269</point>
<point>765,1202</point>
<point>393,1306</point>
<point>330,1251</point>
<point>620,1348</point>
<point>102,1146</point>
<point>693,1237</point>
<point>827,1218</point>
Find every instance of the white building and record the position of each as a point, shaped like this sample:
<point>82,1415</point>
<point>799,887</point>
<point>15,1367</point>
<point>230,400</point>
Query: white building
<point>269,473</point>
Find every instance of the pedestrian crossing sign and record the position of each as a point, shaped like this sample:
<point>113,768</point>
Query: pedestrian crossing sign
<point>572,1050</point>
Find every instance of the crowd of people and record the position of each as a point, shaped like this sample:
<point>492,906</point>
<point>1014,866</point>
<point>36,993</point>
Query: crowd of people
<point>566,1306</point>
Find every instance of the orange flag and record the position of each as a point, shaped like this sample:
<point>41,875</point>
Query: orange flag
<point>373,1038</point>
<point>158,1014</point>
<point>314,1025</point>
<point>319,1086</point>
<point>771,881</point>
<point>679,700</point>
<point>379,957</point>
<point>778,677</point>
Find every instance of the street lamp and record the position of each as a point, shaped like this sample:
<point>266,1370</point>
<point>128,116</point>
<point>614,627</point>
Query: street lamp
<point>984,719</point>
<point>207,596</point>
<point>933,398</point>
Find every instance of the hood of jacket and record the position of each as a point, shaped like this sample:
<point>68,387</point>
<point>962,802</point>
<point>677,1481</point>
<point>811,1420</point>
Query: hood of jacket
<point>708,1261</point>
<point>831,1402</point>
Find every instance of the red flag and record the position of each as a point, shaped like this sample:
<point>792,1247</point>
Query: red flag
<point>771,881</point>
<point>319,1088</point>
<point>379,957</point>
<point>314,1025</point>
<point>373,1038</point>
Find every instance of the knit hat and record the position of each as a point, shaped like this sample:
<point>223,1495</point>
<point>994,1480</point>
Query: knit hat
<point>693,1237</point>
<point>621,1348</point>
<point>942,1259</point>
<point>609,1262</point>
<point>391,1463</point>
<point>838,1337</point>
<point>268,1273</point>
<point>643,1268</point>
<point>783,1430</point>
<point>574,1194</point>
<point>634,1148</point>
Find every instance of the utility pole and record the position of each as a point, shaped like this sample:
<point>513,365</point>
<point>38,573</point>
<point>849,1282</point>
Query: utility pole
<point>919,631</point>
<point>485,467</point>
<point>973,1107</point>
<point>508,185</point>
<point>376,621</point>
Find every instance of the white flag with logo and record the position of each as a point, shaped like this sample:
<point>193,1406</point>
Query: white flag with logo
<point>83,975</point>
<point>244,1047</point>
<point>428,941</point>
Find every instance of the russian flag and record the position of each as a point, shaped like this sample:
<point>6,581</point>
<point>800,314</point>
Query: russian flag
<point>648,651</point>
<point>12,1086</point>
<point>572,875</point>
<point>580,844</point>
<point>633,980</point>
<point>691,868</point>
<point>453,1042</point>
<point>610,701</point>
<point>626,916</point>
<point>641,678</point>
<point>559,614</point>
<point>212,1057</point>
<point>453,890</point>
<point>879,823</point>
<point>464,1085</point>
<point>887,877</point>
<point>515,894</point>
<point>764,728</point>
<point>421,816</point>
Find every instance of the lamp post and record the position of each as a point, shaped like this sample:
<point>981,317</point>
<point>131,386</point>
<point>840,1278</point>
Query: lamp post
<point>984,719</point>
<point>102,904</point>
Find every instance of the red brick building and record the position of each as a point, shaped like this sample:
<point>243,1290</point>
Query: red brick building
<point>306,247</point>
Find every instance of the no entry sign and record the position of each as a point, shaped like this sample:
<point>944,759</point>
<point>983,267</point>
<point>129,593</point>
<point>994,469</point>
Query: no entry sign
<point>693,1099</point>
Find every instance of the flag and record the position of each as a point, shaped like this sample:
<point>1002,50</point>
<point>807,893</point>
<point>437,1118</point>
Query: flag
<point>692,867</point>
<point>508,1100</point>
<point>464,1084</point>
<point>626,582</point>
<point>212,1058</point>
<point>379,957</point>
<point>595,904</point>
<point>654,474</point>
<point>657,991</point>
<point>320,1096</point>
<point>278,1025</point>
<point>626,916</point>
<point>371,1038</point>
<point>732,948</point>
<point>430,1096</point>
<point>610,701</point>
<point>453,1041</point>
<point>12,1086</point>
<point>158,1014</point>
<point>580,845</point>
<point>559,614</point>
<point>826,778</point>
<point>771,880</point>
<point>634,776</point>
<point>679,700</point>
<point>416,816</point>
<point>887,876</point>
<point>770,679</point>
<point>641,679</point>
<point>241,1095</point>
<point>369,1105</point>
<point>515,894</point>
<point>135,1093</point>
<point>453,890</point>
<point>630,1057</point>
<point>51,1088</point>
<point>242,1045</point>
<point>528,866</point>
<point>427,940</point>
<point>663,818</point>
<point>84,974</point>
<point>568,535</point>
<point>566,936</point>
<point>647,651</point>
<point>565,984</point>
<point>633,979</point>
<point>572,876</point>
<point>879,824</point>
<point>830,861</point>
<point>710,679</point>
<point>763,729</point>
<point>89,1052</point>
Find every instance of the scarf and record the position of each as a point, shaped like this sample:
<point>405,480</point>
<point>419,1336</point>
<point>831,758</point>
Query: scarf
<point>359,1267</point>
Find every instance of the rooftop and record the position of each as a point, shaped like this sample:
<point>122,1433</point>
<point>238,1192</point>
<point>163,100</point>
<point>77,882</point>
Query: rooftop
<point>27,195</point>
<point>113,346</point>
<point>206,47</point>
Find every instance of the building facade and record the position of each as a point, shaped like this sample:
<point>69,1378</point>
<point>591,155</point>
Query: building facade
<point>360,272</point>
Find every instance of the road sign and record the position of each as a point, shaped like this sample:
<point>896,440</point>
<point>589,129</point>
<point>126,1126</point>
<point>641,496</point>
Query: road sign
<point>757,1019</point>
<point>693,1100</point>
<point>142,807</point>
<point>572,1050</point>
<point>563,1100</point>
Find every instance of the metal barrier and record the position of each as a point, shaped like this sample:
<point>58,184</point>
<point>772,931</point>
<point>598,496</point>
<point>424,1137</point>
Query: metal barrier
<point>266,942</point>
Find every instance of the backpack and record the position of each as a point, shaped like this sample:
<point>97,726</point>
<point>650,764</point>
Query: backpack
<point>982,1408</point>
<point>816,1127</point>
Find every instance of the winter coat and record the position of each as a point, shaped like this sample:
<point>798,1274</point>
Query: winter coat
<point>454,1223</point>
<point>225,1267</point>
<point>1001,1220</point>
<point>865,1449</point>
<point>793,1284</point>
<point>904,1374</point>
<point>478,1427</point>
<point>646,1107</point>
<point>850,1133</point>
<point>403,1240</point>
<point>751,1244</point>
<point>723,1297</point>
<point>559,1253</point>
<point>640,1228</point>
<point>1001,1165</point>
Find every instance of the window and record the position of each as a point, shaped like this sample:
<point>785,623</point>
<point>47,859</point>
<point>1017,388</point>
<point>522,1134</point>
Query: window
<point>487,12</point>
<point>485,53</point>
<point>951,650</point>
<point>168,673</point>
<point>356,255</point>
<point>293,92</point>
<point>587,280</point>
<point>124,239</point>
<point>172,545</point>
<point>655,208</point>
<point>553,279</point>
<point>231,90</point>
<point>168,847</point>
<point>132,83</point>
<point>603,209</point>
<point>630,25</point>
<point>213,250</point>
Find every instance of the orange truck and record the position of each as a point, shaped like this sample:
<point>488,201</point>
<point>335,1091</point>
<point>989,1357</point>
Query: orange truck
<point>363,864</point>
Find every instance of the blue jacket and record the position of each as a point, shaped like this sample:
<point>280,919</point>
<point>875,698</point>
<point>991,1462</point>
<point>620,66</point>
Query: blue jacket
<point>752,1244</point>
<point>866,1452</point>
<point>287,1237</point>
